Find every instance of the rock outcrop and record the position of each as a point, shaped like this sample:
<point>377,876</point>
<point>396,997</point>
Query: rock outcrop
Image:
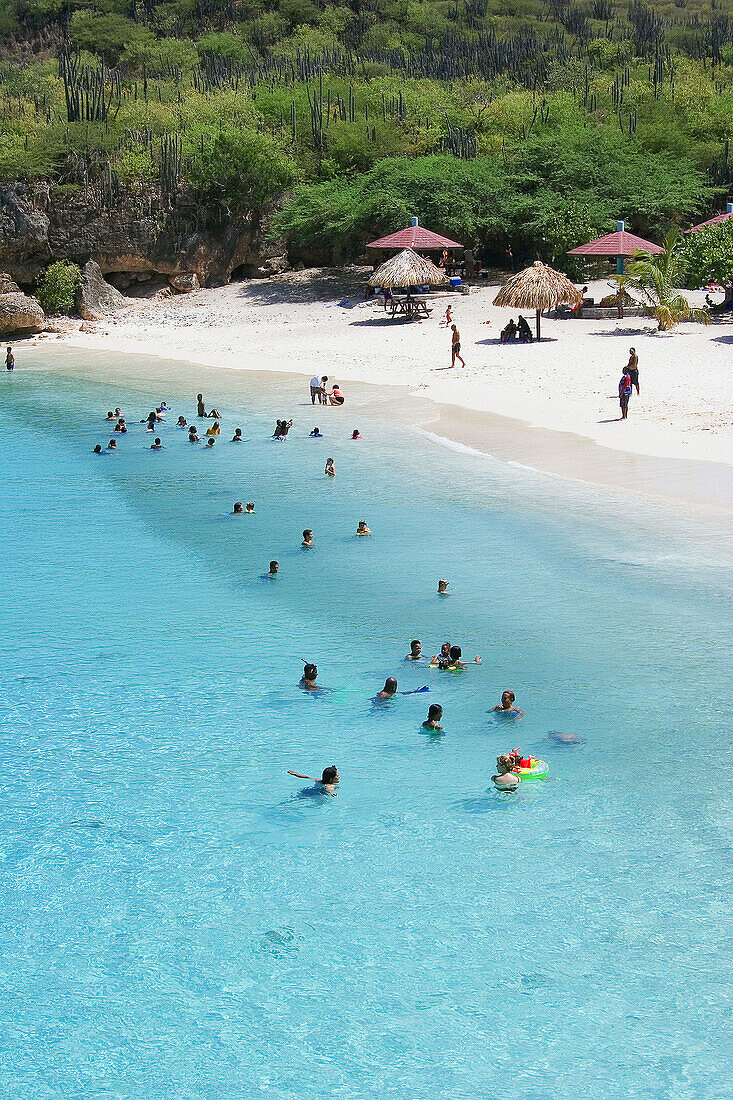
<point>20,313</point>
<point>7,285</point>
<point>141,236</point>
<point>185,283</point>
<point>95,298</point>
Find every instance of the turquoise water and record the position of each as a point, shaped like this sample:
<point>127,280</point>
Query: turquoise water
<point>179,921</point>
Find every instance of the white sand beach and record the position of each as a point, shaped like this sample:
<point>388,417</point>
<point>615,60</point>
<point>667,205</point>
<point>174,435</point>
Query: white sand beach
<point>566,383</point>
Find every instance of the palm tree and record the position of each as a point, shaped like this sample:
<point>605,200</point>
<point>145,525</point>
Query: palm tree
<point>656,279</point>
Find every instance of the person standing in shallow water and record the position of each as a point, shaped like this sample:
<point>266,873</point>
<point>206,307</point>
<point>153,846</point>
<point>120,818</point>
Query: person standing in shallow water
<point>9,360</point>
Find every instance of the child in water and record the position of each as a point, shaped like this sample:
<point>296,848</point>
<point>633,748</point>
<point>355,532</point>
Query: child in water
<point>210,442</point>
<point>326,784</point>
<point>362,529</point>
<point>315,434</point>
<point>249,508</point>
<point>181,422</point>
<point>506,706</point>
<point>307,538</point>
<point>505,779</point>
<point>443,588</point>
<point>432,722</point>
<point>330,468</point>
<point>355,434</point>
<point>237,437</point>
<point>157,445</point>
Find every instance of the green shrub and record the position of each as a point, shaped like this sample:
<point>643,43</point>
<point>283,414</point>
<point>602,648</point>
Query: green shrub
<point>56,291</point>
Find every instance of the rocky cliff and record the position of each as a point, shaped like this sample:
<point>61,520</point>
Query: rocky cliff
<point>133,237</point>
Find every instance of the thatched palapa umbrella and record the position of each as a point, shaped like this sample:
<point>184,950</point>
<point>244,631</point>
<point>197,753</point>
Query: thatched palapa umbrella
<point>407,269</point>
<point>538,287</point>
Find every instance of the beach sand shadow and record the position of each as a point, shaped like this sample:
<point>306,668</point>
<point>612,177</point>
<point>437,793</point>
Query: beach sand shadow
<point>382,322</point>
<point>326,289</point>
<point>495,341</point>
<point>648,330</point>
<point>722,340</point>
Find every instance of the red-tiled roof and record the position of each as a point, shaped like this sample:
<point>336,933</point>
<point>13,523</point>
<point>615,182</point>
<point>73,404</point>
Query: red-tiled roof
<point>415,236</point>
<point>712,221</point>
<point>621,243</point>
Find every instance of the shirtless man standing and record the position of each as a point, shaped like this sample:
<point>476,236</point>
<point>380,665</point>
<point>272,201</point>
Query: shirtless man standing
<point>456,346</point>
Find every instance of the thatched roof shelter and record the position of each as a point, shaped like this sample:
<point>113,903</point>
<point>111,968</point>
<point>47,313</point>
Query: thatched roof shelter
<point>538,287</point>
<point>408,269</point>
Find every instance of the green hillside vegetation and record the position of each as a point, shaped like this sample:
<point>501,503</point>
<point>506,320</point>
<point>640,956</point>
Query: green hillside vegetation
<point>504,123</point>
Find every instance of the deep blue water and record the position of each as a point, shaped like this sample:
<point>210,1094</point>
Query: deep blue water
<point>179,922</point>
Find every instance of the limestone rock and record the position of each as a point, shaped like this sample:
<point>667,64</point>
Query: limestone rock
<point>7,286</point>
<point>95,298</point>
<point>186,282</point>
<point>24,247</point>
<point>274,265</point>
<point>20,313</point>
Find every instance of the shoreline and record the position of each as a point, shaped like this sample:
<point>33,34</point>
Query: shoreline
<point>702,486</point>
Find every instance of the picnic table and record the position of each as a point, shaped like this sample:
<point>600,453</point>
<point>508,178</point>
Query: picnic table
<point>409,307</point>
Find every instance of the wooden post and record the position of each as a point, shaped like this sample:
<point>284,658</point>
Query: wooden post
<point>538,324</point>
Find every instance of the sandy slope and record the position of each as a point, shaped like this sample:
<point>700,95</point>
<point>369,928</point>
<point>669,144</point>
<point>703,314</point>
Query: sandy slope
<point>568,382</point>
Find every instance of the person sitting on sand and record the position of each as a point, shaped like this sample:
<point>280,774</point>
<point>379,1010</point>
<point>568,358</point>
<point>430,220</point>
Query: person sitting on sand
<point>157,445</point>
<point>307,538</point>
<point>181,422</point>
<point>389,690</point>
<point>315,434</point>
<point>330,468</point>
<point>335,396</point>
<point>508,333</point>
<point>356,434</point>
<point>238,509</point>
<point>415,653</point>
<point>112,445</point>
<point>214,429</point>
<point>328,782</point>
<point>237,437</point>
<point>505,779</point>
<point>249,508</point>
<point>435,713</point>
<point>274,567</point>
<point>308,679</point>
<point>523,331</point>
<point>212,414</point>
<point>506,706</point>
<point>362,529</point>
<point>193,436</point>
<point>443,588</point>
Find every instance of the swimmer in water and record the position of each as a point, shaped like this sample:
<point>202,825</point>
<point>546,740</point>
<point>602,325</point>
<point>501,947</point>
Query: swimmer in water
<point>157,445</point>
<point>355,434</point>
<point>201,410</point>
<point>214,429</point>
<point>455,654</point>
<point>120,426</point>
<point>308,679</point>
<point>238,509</point>
<point>326,784</point>
<point>237,437</point>
<point>181,422</point>
<point>110,416</point>
<point>118,413</point>
<point>435,713</point>
<point>505,779</point>
<point>112,445</point>
<point>443,588</point>
<point>151,419</point>
<point>330,468</point>
<point>98,449</point>
<point>307,538</point>
<point>442,659</point>
<point>388,691</point>
<point>274,567</point>
<point>193,436</point>
<point>210,442</point>
<point>415,653</point>
<point>506,706</point>
<point>315,434</point>
<point>362,529</point>
<point>249,507</point>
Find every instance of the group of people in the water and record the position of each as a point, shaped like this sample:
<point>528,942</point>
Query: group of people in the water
<point>450,657</point>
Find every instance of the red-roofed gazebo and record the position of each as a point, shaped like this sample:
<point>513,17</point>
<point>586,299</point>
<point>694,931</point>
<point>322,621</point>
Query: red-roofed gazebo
<point>618,244</point>
<point>714,221</point>
<point>416,237</point>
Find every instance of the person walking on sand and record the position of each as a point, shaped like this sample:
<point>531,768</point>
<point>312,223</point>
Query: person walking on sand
<point>456,346</point>
<point>624,393</point>
<point>632,369</point>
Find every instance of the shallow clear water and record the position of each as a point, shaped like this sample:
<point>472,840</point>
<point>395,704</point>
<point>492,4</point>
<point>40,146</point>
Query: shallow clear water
<point>178,921</point>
